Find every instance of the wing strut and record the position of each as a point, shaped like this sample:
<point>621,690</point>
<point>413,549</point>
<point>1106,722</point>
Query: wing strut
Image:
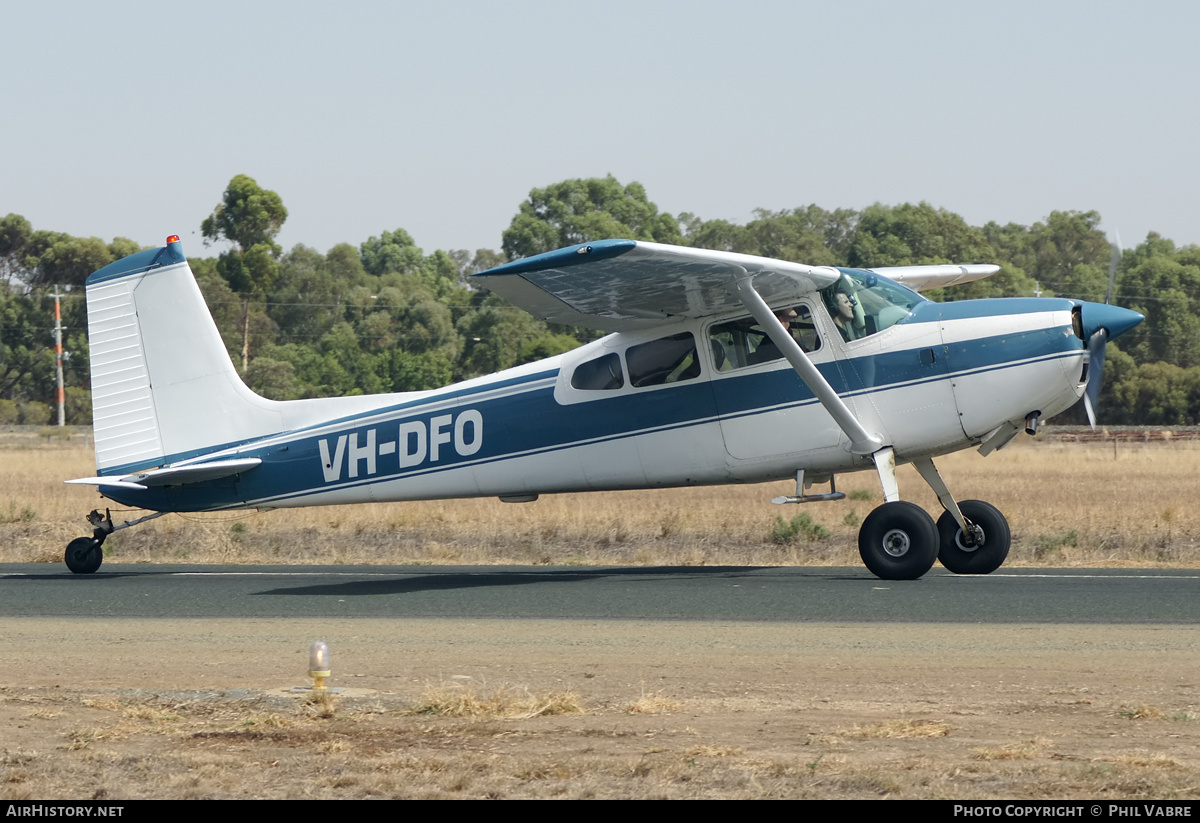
<point>861,441</point>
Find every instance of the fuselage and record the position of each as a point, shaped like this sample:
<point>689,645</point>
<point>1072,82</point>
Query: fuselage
<point>941,378</point>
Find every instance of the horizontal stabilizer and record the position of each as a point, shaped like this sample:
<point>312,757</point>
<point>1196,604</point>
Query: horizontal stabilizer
<point>174,475</point>
<point>105,481</point>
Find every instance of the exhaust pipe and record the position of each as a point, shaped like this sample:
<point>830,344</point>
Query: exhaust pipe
<point>1032,421</point>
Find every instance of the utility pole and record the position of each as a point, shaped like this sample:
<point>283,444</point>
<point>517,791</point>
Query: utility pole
<point>58,352</point>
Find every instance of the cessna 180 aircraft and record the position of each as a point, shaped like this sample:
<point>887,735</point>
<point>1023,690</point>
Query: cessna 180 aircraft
<point>722,368</point>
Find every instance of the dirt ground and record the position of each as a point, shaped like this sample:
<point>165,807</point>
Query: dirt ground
<point>130,708</point>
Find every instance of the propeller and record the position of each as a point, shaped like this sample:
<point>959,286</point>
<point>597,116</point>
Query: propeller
<point>1113,262</point>
<point>1098,344</point>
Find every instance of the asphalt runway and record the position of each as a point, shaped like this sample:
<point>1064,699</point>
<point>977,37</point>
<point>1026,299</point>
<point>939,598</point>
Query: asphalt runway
<point>771,594</point>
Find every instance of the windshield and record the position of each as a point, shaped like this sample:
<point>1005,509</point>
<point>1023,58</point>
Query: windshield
<point>862,303</point>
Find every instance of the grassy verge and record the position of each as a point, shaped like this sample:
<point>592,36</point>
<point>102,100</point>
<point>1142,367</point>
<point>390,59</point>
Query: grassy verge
<point>1068,504</point>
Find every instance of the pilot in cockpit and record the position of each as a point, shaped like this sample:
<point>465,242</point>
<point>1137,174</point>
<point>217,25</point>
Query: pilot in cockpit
<point>846,310</point>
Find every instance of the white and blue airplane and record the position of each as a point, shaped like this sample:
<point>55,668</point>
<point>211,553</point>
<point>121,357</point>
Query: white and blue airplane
<point>722,368</point>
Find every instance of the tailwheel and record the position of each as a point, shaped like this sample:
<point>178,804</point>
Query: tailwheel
<point>898,541</point>
<point>983,549</point>
<point>84,555</point>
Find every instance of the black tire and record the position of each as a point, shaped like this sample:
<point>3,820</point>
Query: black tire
<point>898,541</point>
<point>960,555</point>
<point>84,555</point>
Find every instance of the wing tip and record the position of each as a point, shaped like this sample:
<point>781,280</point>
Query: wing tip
<point>562,258</point>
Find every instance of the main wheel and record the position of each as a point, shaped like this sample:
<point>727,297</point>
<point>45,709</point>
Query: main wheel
<point>968,554</point>
<point>898,541</point>
<point>84,555</point>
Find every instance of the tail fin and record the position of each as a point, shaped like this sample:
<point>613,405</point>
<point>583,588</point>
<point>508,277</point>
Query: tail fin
<point>163,386</point>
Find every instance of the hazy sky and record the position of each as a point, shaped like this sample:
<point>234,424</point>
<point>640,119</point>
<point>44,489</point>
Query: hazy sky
<point>129,118</point>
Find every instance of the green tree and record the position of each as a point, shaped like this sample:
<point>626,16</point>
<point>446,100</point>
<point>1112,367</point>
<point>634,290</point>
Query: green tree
<point>249,217</point>
<point>1070,255</point>
<point>913,235</point>
<point>393,251</point>
<point>15,234</point>
<point>408,331</point>
<point>909,235</point>
<point>469,264</point>
<point>575,211</point>
<point>312,290</point>
<point>224,306</point>
<point>275,379</point>
<point>26,349</point>
<point>808,235</point>
<point>54,258</point>
<point>718,235</point>
<point>1167,292</point>
<point>1158,394</point>
<point>497,336</point>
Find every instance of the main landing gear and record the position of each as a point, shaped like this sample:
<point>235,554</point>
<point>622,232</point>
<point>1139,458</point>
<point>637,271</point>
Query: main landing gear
<point>85,554</point>
<point>899,540</point>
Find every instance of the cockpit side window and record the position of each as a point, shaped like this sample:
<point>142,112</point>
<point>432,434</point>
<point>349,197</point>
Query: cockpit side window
<point>742,342</point>
<point>862,304</point>
<point>600,374</point>
<point>666,360</point>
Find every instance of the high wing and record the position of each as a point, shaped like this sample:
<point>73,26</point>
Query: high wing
<point>919,278</point>
<point>622,285</point>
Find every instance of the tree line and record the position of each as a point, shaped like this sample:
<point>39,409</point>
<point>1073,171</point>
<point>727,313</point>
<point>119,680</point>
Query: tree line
<point>384,316</point>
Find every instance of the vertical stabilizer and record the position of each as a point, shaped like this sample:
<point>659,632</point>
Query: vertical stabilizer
<point>163,386</point>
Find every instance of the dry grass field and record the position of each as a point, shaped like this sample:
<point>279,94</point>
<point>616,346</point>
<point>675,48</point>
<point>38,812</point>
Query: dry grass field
<point>599,709</point>
<point>1069,504</point>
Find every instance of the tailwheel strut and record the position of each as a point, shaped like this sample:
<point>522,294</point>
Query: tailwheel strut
<point>85,554</point>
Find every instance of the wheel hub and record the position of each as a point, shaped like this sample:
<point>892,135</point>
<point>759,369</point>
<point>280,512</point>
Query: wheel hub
<point>897,543</point>
<point>971,540</point>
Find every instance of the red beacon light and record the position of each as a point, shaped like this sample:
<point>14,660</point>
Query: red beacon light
<point>174,238</point>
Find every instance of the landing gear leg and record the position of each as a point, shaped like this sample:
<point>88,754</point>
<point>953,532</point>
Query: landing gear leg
<point>898,540</point>
<point>974,537</point>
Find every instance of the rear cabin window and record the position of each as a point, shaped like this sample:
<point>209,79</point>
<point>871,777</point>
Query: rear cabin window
<point>601,374</point>
<point>740,343</point>
<point>666,360</point>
